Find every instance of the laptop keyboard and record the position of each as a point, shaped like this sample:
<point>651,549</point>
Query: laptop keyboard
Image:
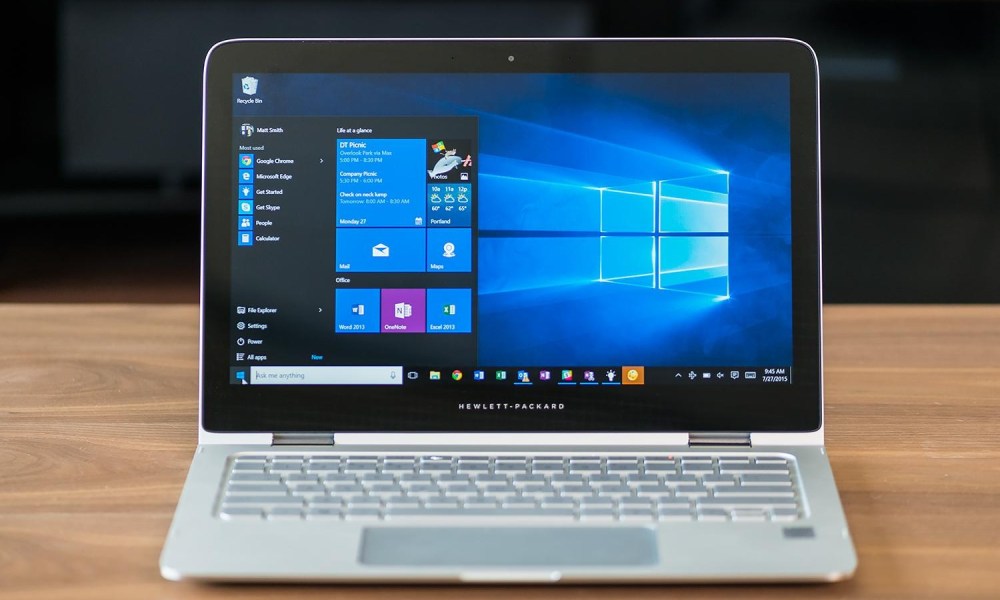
<point>688,487</point>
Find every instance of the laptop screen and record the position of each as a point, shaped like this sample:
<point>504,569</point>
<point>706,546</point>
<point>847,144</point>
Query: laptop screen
<point>540,235</point>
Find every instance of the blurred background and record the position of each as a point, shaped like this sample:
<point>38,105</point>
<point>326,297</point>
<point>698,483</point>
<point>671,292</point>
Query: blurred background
<point>102,100</point>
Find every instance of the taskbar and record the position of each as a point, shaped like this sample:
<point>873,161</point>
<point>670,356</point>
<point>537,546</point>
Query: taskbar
<point>607,376</point>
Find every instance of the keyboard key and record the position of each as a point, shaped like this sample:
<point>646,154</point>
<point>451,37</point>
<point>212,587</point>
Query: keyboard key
<point>340,477</point>
<point>697,469</point>
<point>249,466</point>
<point>647,490</point>
<point>754,468</point>
<point>718,480</point>
<point>385,488</point>
<point>660,468</point>
<point>673,504</point>
<point>490,478</point>
<point>346,488</point>
<point>771,460</point>
<point>284,513</point>
<point>519,503</point>
<point>615,492</point>
<point>474,468</point>
<point>713,514</point>
<point>513,469</point>
<point>325,501</point>
<point>312,488</point>
<point>262,500</point>
<point>461,490</point>
<point>691,492</point>
<point>749,514</point>
<point>622,468</point>
<point>323,513</point>
<point>362,514</point>
<point>272,489</point>
<point>322,467</point>
<point>635,503</point>
<point>763,502</point>
<point>246,477</point>
<point>597,514</point>
<point>547,467</point>
<point>634,478</point>
<point>397,467</point>
<point>784,514</point>
<point>755,490</point>
<point>680,480</point>
<point>674,514</point>
<point>240,512</point>
<point>283,467</point>
<point>606,478</point>
<point>402,501</point>
<point>556,503</point>
<point>522,480</point>
<point>765,479</point>
<point>481,503</point>
<point>434,467</point>
<point>425,493</point>
<point>360,468</point>
<point>576,491</point>
<point>567,478</point>
<point>544,514</point>
<point>610,487</point>
<point>441,502</point>
<point>596,502</point>
<point>635,514</point>
<point>493,488</point>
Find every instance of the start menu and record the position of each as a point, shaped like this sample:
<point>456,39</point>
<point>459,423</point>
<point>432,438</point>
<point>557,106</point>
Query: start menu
<point>375,223</point>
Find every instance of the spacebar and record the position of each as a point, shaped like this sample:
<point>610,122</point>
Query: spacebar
<point>521,513</point>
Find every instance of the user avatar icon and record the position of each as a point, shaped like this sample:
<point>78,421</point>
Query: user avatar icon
<point>449,250</point>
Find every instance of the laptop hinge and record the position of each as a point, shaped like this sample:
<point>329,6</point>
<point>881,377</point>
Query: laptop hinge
<point>719,439</point>
<point>302,439</point>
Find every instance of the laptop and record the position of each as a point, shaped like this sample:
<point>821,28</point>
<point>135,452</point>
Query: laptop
<point>514,310</point>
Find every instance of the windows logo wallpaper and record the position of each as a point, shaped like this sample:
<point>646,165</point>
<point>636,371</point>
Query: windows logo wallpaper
<point>623,218</point>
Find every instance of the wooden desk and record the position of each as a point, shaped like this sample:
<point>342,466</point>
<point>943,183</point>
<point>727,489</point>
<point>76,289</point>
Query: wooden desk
<point>98,406</point>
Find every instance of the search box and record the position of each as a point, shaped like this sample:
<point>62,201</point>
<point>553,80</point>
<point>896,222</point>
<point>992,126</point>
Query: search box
<point>326,375</point>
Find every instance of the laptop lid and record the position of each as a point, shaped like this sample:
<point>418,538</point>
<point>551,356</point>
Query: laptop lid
<point>511,236</point>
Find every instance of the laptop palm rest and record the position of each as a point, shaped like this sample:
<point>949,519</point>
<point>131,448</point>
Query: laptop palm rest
<point>508,546</point>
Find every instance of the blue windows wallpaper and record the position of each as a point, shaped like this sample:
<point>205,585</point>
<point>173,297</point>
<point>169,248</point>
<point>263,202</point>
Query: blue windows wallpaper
<point>623,218</point>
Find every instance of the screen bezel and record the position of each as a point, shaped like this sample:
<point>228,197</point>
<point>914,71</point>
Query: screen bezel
<point>794,407</point>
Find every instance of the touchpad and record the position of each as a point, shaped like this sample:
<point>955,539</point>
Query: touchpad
<point>508,546</point>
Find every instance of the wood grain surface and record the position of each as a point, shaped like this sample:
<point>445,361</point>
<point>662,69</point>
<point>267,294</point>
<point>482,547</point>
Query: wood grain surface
<point>98,423</point>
